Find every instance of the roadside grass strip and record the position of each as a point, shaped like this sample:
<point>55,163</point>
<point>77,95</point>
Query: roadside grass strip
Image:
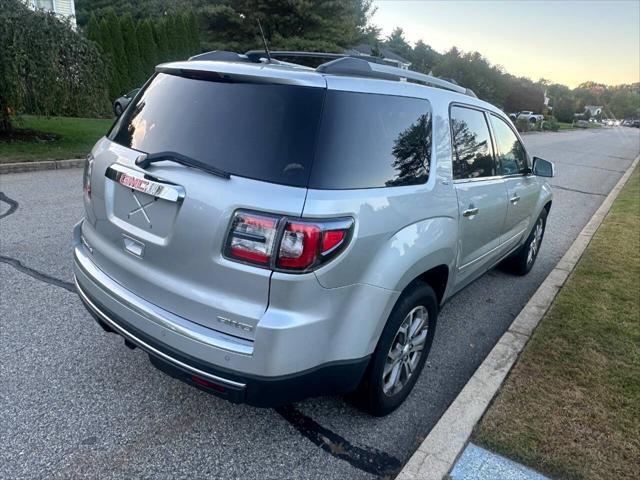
<point>570,408</point>
<point>55,138</point>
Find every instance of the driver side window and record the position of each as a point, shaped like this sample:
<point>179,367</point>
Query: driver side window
<point>511,154</point>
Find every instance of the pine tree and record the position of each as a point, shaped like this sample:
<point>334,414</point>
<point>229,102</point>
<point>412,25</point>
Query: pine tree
<point>119,54</point>
<point>132,50</point>
<point>92,30</point>
<point>113,76</point>
<point>162,40</point>
<point>176,34</point>
<point>194,33</point>
<point>147,46</point>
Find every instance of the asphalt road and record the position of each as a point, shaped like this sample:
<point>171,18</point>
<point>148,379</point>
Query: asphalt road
<point>75,402</point>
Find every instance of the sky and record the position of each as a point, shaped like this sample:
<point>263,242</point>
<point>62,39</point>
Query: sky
<point>567,42</point>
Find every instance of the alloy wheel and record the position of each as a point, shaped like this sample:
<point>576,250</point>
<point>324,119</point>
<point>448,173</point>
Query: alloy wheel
<point>534,245</point>
<point>405,351</point>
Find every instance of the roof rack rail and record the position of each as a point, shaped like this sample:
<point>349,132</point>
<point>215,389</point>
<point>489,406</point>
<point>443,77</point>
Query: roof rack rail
<point>362,68</point>
<point>255,55</point>
<point>342,64</point>
<point>221,56</point>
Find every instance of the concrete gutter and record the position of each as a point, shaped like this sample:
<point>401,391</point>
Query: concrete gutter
<point>44,165</point>
<point>438,452</point>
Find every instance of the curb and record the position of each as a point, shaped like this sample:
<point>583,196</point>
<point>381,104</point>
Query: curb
<point>438,452</point>
<point>45,165</point>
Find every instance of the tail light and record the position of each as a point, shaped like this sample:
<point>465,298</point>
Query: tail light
<point>86,176</point>
<point>286,244</point>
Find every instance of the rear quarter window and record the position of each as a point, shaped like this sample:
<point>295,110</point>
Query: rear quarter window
<point>371,140</point>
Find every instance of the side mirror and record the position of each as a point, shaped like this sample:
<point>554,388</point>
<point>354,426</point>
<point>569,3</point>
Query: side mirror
<point>542,167</point>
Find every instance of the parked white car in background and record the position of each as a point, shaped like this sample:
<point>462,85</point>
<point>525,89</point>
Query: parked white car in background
<point>532,117</point>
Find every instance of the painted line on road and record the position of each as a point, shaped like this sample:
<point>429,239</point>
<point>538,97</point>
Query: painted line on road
<point>440,449</point>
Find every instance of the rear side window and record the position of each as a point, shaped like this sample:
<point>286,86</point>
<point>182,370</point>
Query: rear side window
<point>511,153</point>
<point>370,140</point>
<point>472,149</point>
<point>265,132</point>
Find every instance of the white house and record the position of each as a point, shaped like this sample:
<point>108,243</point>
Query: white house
<point>594,110</point>
<point>62,8</point>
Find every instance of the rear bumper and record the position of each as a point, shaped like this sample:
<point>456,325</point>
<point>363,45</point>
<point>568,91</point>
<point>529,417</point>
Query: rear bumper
<point>205,358</point>
<point>334,378</point>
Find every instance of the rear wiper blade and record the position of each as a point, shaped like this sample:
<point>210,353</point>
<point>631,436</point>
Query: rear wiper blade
<point>146,159</point>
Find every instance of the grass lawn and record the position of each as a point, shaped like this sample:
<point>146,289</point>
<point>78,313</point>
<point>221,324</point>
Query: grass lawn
<point>72,138</point>
<point>570,408</point>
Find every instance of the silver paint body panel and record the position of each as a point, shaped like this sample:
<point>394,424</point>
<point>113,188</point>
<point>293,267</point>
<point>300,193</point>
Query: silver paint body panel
<point>180,285</point>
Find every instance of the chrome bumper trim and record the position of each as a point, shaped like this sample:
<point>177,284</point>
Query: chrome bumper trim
<point>148,348</point>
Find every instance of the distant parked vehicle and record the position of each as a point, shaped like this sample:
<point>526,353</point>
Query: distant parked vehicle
<point>530,116</point>
<point>121,102</point>
<point>635,123</point>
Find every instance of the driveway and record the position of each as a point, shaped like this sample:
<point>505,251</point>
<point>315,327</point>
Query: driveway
<point>75,402</point>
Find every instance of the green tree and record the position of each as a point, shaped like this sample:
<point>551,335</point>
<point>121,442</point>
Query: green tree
<point>320,25</point>
<point>162,41</point>
<point>193,28</point>
<point>93,31</point>
<point>473,71</point>
<point>174,41</point>
<point>147,46</point>
<point>108,55</point>
<point>119,56</point>
<point>565,107</point>
<point>140,9</point>
<point>625,101</point>
<point>397,43</point>
<point>423,58</point>
<point>183,46</point>
<point>135,68</point>
<point>523,94</point>
<point>47,67</point>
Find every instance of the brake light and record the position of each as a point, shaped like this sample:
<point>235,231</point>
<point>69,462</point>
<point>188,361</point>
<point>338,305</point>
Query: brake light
<point>251,237</point>
<point>299,245</point>
<point>281,243</point>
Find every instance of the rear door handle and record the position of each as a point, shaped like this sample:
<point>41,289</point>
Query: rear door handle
<point>515,199</point>
<point>470,212</point>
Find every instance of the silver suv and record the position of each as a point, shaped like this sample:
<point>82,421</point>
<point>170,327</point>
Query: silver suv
<point>267,231</point>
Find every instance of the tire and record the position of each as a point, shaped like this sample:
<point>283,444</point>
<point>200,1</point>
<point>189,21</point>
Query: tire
<point>117,109</point>
<point>378,394</point>
<point>521,262</point>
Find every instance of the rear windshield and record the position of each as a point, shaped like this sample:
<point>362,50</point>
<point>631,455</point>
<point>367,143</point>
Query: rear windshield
<point>265,132</point>
<point>284,134</point>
